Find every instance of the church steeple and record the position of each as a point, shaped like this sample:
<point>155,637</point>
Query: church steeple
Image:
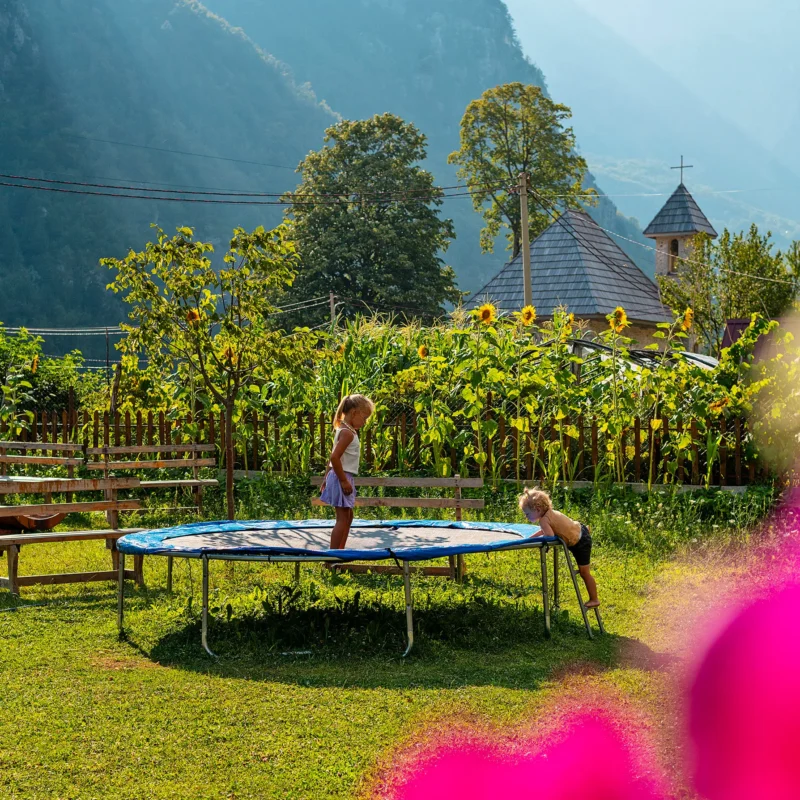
<point>674,226</point>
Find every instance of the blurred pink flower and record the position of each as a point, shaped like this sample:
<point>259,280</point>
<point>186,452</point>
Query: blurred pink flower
<point>745,705</point>
<point>590,761</point>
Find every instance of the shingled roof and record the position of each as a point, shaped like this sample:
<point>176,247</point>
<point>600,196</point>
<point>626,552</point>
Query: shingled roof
<point>680,214</point>
<point>575,263</point>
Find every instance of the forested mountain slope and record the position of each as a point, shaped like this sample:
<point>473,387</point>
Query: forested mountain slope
<point>148,72</point>
<point>422,59</point>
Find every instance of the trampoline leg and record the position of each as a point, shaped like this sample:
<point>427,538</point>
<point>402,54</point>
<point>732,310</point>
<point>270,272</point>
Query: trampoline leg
<point>409,610</point>
<point>599,620</point>
<point>545,592</point>
<point>169,574</point>
<point>556,586</point>
<point>121,593</point>
<point>204,634</point>
<point>578,592</point>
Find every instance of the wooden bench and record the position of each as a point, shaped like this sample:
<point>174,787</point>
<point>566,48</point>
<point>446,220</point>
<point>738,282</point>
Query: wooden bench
<point>456,568</point>
<point>19,523</point>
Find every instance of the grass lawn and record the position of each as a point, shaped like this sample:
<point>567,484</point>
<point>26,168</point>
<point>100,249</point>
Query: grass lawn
<point>85,715</point>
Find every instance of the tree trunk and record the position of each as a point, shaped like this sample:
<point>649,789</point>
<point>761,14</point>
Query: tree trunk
<point>229,457</point>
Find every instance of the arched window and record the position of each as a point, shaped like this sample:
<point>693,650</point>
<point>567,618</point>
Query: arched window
<point>673,255</point>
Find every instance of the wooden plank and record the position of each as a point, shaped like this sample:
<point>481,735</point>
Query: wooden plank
<point>153,464</point>
<point>128,439</point>
<point>413,483</point>
<point>73,577</point>
<point>189,482</point>
<point>45,461</point>
<point>20,539</point>
<point>52,446</point>
<point>385,569</point>
<point>156,448</point>
<point>410,502</point>
<point>42,485</point>
<point>44,509</point>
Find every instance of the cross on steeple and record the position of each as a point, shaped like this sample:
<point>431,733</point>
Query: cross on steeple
<point>682,167</point>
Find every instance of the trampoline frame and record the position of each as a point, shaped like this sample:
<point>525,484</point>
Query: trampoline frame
<point>543,547</point>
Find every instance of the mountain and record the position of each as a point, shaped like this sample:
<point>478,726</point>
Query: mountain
<point>170,78</point>
<point>633,120</point>
<point>424,60</point>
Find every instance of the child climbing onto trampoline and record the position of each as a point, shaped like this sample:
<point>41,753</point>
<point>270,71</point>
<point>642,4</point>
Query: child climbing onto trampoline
<point>537,506</point>
<point>338,485</point>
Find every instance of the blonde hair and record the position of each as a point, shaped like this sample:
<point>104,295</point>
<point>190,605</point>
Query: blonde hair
<point>351,402</point>
<point>535,500</point>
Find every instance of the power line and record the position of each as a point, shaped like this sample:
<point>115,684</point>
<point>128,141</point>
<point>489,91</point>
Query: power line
<point>702,263</point>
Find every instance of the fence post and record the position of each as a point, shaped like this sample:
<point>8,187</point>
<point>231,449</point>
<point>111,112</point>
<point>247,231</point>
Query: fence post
<point>117,441</point>
<point>637,449</point>
<point>581,440</point>
<point>665,447</point>
<point>594,449</point>
<point>128,440</point>
<point>679,435</point>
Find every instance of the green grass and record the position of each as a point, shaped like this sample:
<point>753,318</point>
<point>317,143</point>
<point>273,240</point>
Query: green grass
<point>85,715</point>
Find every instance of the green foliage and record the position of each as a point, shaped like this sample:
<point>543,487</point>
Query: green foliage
<point>376,255</point>
<point>732,278</point>
<point>512,129</point>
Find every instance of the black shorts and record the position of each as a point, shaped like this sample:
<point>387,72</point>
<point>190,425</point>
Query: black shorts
<point>583,549</point>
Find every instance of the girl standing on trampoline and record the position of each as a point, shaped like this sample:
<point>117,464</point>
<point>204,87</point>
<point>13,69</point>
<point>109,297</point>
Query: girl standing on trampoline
<point>338,485</point>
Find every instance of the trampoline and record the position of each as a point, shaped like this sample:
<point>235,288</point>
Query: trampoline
<point>403,541</point>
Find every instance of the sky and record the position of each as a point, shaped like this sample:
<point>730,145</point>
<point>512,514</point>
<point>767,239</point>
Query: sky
<point>740,55</point>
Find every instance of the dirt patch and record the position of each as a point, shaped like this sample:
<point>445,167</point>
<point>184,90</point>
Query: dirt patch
<point>115,662</point>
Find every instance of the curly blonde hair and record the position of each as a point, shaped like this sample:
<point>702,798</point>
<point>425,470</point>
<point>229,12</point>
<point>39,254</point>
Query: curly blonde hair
<point>535,500</point>
<point>350,402</point>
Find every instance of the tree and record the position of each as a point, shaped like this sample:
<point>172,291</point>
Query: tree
<point>732,278</point>
<point>214,322</point>
<point>511,129</point>
<point>366,222</point>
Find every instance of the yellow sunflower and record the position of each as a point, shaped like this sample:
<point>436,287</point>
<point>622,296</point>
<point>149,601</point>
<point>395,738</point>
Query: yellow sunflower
<point>193,316</point>
<point>528,315</point>
<point>618,320</point>
<point>487,314</point>
<point>422,352</point>
<point>230,354</point>
<point>688,320</point>
<point>718,405</point>
<point>35,364</point>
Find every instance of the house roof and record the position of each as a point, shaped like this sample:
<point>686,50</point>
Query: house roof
<point>575,263</point>
<point>680,214</point>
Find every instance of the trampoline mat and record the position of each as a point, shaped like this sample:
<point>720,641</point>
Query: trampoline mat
<point>368,540</point>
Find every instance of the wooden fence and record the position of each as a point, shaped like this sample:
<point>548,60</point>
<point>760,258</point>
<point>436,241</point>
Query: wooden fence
<point>302,444</point>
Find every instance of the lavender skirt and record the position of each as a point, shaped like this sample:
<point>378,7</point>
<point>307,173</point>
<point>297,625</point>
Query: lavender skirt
<point>333,495</point>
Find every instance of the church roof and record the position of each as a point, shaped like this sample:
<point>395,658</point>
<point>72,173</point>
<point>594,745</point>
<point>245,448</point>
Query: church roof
<point>575,263</point>
<point>680,214</point>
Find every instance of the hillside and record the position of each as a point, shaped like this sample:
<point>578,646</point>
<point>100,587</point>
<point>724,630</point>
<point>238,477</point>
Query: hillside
<point>151,73</point>
<point>422,59</point>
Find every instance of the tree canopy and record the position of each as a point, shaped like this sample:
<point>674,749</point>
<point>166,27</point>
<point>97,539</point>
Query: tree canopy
<point>511,129</point>
<point>732,278</point>
<point>366,223</point>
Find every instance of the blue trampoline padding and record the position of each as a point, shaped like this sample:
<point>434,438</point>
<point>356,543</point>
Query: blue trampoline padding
<point>407,540</point>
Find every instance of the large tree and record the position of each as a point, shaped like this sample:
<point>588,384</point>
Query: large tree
<point>213,322</point>
<point>511,129</point>
<point>731,279</point>
<point>366,223</point>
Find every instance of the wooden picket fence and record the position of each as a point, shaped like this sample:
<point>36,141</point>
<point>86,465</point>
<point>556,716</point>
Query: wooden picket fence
<point>395,443</point>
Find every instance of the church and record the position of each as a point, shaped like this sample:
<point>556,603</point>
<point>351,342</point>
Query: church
<point>575,263</point>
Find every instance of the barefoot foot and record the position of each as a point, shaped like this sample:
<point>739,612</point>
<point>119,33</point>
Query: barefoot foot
<point>592,604</point>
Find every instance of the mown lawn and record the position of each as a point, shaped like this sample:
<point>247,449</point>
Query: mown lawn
<point>85,715</point>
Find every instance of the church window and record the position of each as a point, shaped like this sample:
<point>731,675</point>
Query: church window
<point>673,255</point>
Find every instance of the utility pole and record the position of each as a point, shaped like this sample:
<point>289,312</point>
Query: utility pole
<point>527,292</point>
<point>333,308</point>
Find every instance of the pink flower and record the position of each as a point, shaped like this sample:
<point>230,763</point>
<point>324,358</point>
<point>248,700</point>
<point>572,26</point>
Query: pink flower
<point>591,760</point>
<point>745,705</point>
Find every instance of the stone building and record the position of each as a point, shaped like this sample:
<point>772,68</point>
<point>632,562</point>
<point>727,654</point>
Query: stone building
<point>673,228</point>
<point>575,263</point>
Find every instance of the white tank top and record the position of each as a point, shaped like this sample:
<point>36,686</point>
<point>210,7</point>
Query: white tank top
<point>351,458</point>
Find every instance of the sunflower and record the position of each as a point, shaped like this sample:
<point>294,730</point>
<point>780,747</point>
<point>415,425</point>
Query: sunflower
<point>35,364</point>
<point>688,320</point>
<point>618,320</point>
<point>422,352</point>
<point>528,315</point>
<point>230,354</point>
<point>718,405</point>
<point>193,316</point>
<point>487,314</point>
